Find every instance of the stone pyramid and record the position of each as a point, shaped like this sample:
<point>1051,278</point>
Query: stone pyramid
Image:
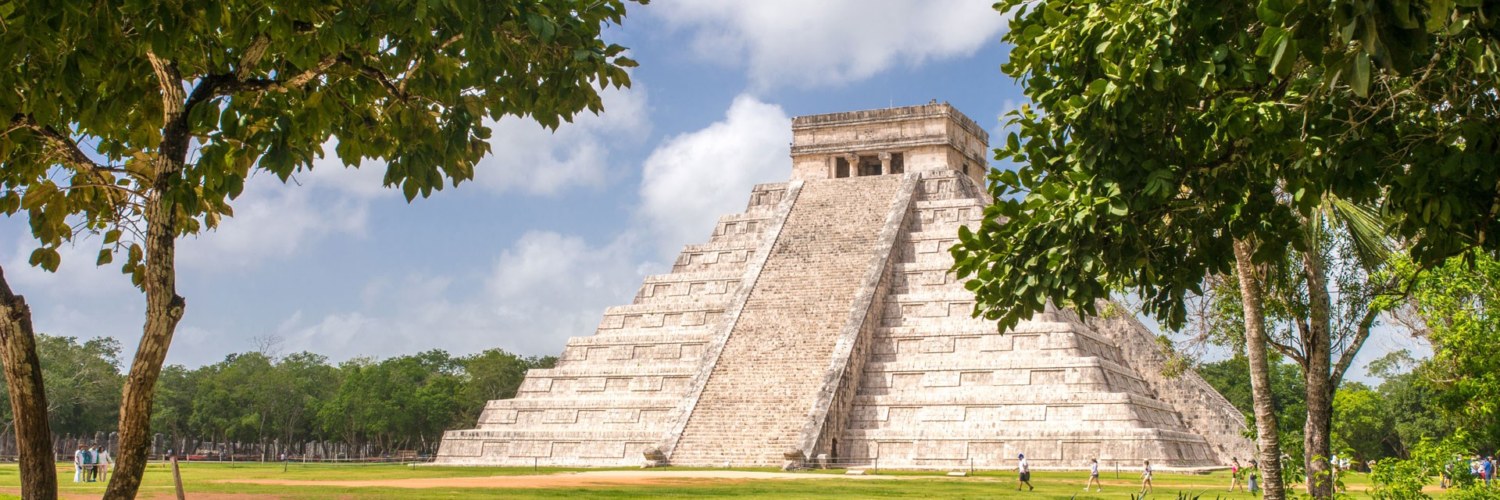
<point>823,321</point>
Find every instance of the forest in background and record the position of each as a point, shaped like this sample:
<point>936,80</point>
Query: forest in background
<point>393,405</point>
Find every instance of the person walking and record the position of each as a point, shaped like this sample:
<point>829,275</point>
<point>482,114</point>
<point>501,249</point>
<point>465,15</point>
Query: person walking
<point>1234,474</point>
<point>1025,473</point>
<point>1093,476</point>
<point>1146,478</point>
<point>1489,470</point>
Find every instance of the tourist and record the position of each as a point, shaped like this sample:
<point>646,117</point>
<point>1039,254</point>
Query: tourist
<point>1489,470</point>
<point>1025,473</point>
<point>1093,476</point>
<point>1234,474</point>
<point>1446,474</point>
<point>88,464</point>
<point>1333,469</point>
<point>78,464</point>
<point>1254,477</point>
<point>1146,478</point>
<point>105,461</point>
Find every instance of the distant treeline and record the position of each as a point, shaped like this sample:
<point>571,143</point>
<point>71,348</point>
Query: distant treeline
<point>399,403</point>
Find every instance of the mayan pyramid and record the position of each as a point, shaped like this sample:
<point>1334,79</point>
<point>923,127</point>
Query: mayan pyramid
<point>823,320</point>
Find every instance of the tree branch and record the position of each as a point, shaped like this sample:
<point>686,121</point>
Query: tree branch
<point>62,144</point>
<point>102,185</point>
<point>170,82</point>
<point>398,92</point>
<point>1360,335</point>
<point>226,86</point>
<point>251,57</point>
<point>1288,351</point>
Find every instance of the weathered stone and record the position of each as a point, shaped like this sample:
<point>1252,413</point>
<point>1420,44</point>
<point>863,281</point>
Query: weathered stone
<point>653,457</point>
<point>823,320</point>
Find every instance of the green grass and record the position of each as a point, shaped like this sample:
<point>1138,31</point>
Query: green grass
<point>208,477</point>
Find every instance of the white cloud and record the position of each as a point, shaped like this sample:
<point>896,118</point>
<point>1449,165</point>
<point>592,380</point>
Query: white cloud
<point>527,157</point>
<point>80,299</point>
<point>274,220</point>
<point>830,42</point>
<point>543,289</point>
<point>692,179</point>
<point>278,220</point>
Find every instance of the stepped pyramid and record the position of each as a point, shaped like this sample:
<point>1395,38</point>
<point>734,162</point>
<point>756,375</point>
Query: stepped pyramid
<point>823,320</point>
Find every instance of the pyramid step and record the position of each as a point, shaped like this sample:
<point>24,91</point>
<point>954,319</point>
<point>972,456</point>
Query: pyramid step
<point>774,359</point>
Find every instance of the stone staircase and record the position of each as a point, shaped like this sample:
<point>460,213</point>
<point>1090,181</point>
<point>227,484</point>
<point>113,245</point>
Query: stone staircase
<point>941,389</point>
<point>755,401</point>
<point>613,394</point>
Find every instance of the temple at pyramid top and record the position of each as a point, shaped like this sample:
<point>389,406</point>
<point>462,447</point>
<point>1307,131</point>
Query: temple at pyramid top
<point>888,141</point>
<point>822,323</point>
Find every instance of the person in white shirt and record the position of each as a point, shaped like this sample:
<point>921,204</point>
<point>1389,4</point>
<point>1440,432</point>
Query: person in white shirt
<point>105,462</point>
<point>1093,476</point>
<point>1025,470</point>
<point>78,465</point>
<point>1146,478</point>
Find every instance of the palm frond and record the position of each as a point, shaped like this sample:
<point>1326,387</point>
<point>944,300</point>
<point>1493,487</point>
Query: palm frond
<point>1367,230</point>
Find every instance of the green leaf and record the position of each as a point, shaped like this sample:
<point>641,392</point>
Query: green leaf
<point>1361,81</point>
<point>1281,63</point>
<point>1118,208</point>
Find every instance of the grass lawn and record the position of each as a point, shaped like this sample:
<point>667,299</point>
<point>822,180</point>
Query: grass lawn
<point>207,479</point>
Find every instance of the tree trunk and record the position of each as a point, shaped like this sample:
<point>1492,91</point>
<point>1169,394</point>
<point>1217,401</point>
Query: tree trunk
<point>1260,373</point>
<point>28,399</point>
<point>1316,372</point>
<point>164,307</point>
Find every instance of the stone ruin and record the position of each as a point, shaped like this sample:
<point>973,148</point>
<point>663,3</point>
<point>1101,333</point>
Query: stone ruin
<point>823,322</point>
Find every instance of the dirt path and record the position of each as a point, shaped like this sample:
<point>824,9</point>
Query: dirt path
<point>566,479</point>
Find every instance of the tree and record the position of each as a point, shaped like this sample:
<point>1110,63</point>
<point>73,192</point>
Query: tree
<point>308,381</point>
<point>1458,304</point>
<point>85,381</point>
<point>28,399</point>
<point>105,103</point>
<point>239,398</point>
<point>1427,69</point>
<point>494,374</point>
<point>1362,427</point>
<point>1174,142</point>
<point>172,410</point>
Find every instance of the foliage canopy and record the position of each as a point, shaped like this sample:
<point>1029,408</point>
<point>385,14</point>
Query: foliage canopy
<point>87,95</point>
<point>1163,131</point>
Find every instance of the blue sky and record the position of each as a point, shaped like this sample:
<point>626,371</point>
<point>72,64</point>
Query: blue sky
<point>557,225</point>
